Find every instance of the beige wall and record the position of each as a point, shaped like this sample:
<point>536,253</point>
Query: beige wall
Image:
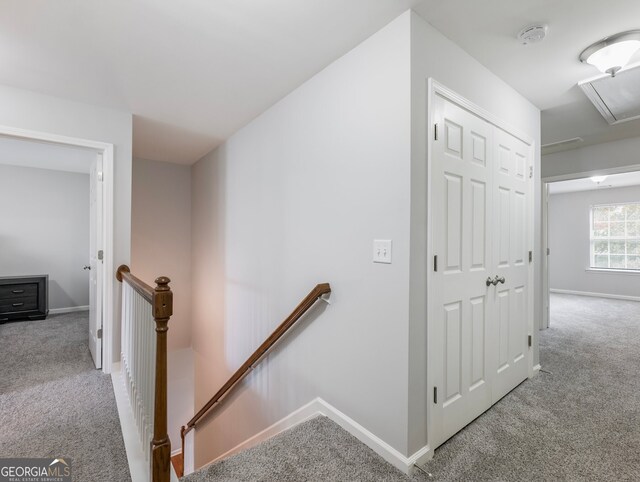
<point>161,236</point>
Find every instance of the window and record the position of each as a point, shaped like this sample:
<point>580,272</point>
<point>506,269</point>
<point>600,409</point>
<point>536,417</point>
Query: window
<point>615,236</point>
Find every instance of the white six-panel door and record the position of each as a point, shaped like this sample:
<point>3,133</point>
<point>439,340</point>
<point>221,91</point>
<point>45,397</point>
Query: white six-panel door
<point>479,193</point>
<point>461,216</point>
<point>511,263</point>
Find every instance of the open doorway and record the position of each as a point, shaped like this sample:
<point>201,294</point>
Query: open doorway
<point>57,232</point>
<point>591,234</point>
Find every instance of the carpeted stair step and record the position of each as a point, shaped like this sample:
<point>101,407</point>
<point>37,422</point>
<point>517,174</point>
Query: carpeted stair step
<point>318,450</point>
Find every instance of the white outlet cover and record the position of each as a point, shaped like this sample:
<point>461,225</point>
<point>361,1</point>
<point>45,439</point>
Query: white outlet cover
<point>382,251</point>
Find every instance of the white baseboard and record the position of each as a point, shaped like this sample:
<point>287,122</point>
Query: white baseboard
<point>319,407</point>
<point>379,446</point>
<point>71,309</point>
<point>596,295</point>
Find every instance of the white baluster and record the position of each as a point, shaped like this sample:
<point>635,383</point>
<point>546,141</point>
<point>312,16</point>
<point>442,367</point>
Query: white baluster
<point>138,351</point>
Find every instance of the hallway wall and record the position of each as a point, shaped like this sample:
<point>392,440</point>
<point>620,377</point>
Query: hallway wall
<point>293,199</point>
<point>592,159</point>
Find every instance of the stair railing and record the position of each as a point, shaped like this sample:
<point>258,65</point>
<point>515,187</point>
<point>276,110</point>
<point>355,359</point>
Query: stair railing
<point>317,293</point>
<point>145,317</point>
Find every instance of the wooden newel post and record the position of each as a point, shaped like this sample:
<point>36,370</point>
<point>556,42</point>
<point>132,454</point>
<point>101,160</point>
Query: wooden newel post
<point>160,445</point>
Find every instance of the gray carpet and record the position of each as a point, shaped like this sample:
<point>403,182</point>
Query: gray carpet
<point>312,451</point>
<point>579,422</point>
<point>54,403</point>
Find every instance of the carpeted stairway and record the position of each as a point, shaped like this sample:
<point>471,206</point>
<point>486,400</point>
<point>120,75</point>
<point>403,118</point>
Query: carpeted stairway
<point>54,403</point>
<point>581,421</point>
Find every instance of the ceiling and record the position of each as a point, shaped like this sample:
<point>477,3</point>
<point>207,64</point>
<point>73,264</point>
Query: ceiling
<point>586,184</point>
<point>193,72</point>
<point>546,73</point>
<point>45,155</point>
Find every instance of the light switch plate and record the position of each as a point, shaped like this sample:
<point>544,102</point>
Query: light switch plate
<point>382,251</point>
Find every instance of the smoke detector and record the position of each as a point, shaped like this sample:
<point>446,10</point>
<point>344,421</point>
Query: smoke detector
<point>532,34</point>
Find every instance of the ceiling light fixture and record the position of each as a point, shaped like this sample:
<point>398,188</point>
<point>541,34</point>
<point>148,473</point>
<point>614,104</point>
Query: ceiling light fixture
<point>598,179</point>
<point>611,54</point>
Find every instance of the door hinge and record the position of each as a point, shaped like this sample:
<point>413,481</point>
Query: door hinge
<point>435,132</point>
<point>100,333</point>
<point>530,340</point>
<point>100,176</point>
<point>530,256</point>
<point>100,255</point>
<point>435,394</point>
<point>548,251</point>
<point>530,172</point>
<point>435,263</point>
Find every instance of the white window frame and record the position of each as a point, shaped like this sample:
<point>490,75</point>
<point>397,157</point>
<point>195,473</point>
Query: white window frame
<point>609,238</point>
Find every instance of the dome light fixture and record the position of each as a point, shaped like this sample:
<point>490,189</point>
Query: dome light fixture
<point>612,53</point>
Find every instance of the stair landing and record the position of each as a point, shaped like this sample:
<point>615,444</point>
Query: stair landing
<point>317,449</point>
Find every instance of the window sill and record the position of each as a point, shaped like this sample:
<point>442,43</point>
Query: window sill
<point>633,272</point>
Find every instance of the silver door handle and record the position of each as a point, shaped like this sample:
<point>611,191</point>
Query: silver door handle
<point>495,280</point>
<point>86,268</point>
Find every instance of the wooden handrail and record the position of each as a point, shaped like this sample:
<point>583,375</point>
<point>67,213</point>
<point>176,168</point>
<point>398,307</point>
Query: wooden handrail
<point>124,274</point>
<point>257,356</point>
<point>161,300</point>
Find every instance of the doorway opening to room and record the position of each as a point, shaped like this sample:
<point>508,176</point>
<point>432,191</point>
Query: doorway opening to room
<point>58,244</point>
<point>591,237</point>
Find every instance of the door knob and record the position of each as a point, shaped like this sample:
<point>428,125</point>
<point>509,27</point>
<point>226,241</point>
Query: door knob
<point>495,280</point>
<point>86,268</point>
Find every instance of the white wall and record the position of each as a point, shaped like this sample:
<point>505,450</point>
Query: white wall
<point>161,237</point>
<point>44,229</point>
<point>608,155</point>
<point>569,243</point>
<point>293,199</point>
<point>29,110</point>
<point>433,55</point>
<point>161,246</point>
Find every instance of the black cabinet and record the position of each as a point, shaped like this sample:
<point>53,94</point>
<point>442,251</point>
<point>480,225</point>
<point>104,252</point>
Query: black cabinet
<point>24,298</point>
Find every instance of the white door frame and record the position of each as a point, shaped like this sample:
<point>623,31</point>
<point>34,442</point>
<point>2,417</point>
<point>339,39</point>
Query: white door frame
<point>546,287</point>
<point>435,88</point>
<point>108,229</point>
